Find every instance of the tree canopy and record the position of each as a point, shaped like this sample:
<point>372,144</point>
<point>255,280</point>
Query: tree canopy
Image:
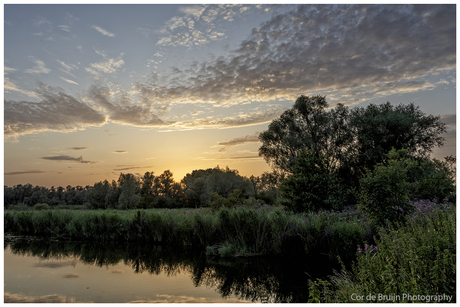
<point>352,139</point>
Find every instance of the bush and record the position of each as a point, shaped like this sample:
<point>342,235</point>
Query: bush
<point>384,193</point>
<point>430,179</point>
<point>41,207</point>
<point>311,187</point>
<point>234,199</point>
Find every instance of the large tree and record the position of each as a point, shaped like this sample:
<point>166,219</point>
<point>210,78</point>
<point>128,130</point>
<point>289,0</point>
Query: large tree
<point>348,140</point>
<point>308,125</point>
<point>379,128</point>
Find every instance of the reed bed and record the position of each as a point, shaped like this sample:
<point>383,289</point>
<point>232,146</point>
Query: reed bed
<point>240,230</point>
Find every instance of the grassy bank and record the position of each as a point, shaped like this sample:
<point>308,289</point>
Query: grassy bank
<point>241,230</point>
<point>415,262</point>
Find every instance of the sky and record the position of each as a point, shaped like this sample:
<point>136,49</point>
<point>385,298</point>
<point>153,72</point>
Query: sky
<point>91,91</point>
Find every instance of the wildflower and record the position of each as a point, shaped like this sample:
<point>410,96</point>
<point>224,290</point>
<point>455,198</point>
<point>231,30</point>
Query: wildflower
<point>359,250</point>
<point>376,248</point>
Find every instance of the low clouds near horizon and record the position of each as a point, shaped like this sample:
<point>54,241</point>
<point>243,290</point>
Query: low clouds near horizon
<point>67,158</point>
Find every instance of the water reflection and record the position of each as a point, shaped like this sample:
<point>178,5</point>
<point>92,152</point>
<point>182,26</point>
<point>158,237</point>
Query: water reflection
<point>277,280</point>
<point>18,298</point>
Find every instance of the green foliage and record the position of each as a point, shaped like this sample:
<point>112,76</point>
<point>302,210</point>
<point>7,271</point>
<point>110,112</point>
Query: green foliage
<point>353,140</point>
<point>232,200</point>
<point>307,125</point>
<point>228,250</point>
<point>266,186</point>
<point>96,196</point>
<point>384,193</point>
<point>200,185</point>
<point>418,258</point>
<point>430,179</point>
<point>379,128</point>
<point>128,198</point>
<point>249,229</point>
<point>41,207</point>
<point>311,187</point>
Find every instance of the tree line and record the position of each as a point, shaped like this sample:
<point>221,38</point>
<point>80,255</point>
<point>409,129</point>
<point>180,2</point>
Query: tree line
<point>196,189</point>
<point>322,157</point>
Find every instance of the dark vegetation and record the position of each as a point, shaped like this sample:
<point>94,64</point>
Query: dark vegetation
<point>195,190</point>
<point>341,178</point>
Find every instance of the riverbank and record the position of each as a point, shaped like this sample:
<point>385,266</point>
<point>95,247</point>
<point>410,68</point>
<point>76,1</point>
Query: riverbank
<point>411,263</point>
<point>242,230</point>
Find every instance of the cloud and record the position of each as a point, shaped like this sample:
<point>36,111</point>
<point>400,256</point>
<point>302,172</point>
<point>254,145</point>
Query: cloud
<point>67,68</point>
<point>242,158</point>
<point>53,298</point>
<point>39,67</point>
<point>116,271</point>
<point>102,31</point>
<point>120,108</point>
<point>108,66</point>
<point>449,119</point>
<point>120,151</point>
<point>78,148</point>
<point>241,120</point>
<point>68,81</point>
<point>67,158</point>
<point>167,298</point>
<point>198,25</point>
<point>24,173</point>
<point>65,28</point>
<point>132,167</point>
<point>9,86</point>
<point>349,52</point>
<point>70,275</point>
<point>56,264</point>
<point>251,138</point>
<point>56,112</point>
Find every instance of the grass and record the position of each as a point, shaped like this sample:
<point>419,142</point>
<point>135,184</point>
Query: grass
<point>418,258</point>
<point>242,230</point>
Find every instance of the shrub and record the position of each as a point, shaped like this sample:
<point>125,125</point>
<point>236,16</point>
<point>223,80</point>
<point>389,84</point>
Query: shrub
<point>384,194</point>
<point>41,207</point>
<point>234,199</point>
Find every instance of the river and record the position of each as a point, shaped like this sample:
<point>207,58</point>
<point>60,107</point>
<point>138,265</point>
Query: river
<point>82,272</point>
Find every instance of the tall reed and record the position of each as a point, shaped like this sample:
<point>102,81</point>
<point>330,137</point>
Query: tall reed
<point>247,229</point>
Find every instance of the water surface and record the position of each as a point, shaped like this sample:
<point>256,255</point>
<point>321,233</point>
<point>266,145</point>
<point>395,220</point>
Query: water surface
<point>52,271</point>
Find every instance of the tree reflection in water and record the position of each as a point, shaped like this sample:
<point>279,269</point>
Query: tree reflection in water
<point>266,279</point>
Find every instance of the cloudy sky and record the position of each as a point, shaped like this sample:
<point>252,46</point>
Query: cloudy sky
<point>94,90</point>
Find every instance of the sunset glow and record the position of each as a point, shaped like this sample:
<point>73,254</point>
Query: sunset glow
<point>94,90</point>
